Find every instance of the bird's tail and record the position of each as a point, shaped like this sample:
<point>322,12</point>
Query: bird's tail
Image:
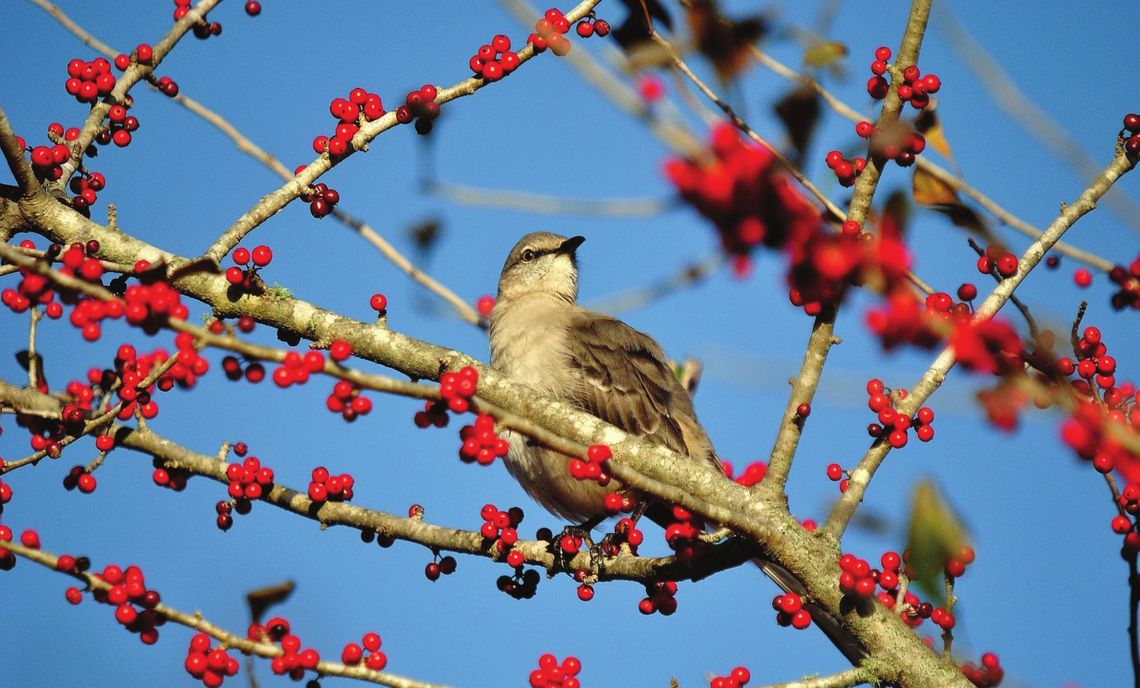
<point>831,626</point>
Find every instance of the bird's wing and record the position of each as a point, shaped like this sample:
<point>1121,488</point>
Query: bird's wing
<point>625,379</point>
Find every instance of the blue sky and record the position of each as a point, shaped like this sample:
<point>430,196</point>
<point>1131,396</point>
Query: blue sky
<point>1038,519</point>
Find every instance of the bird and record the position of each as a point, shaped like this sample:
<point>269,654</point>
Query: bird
<point>542,338</point>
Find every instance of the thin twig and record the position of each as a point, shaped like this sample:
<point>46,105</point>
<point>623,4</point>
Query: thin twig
<point>638,297</point>
<point>550,205</point>
<point>234,640</point>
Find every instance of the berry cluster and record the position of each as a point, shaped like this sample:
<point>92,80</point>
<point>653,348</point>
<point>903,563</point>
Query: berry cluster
<point>86,188</point>
<point>168,86</point>
<point>210,666</point>
<point>625,530</point>
<point>915,88</point>
<point>295,368</point>
<point>419,106</point>
<point>1128,282</point>
<point>201,29</point>
<point>347,400</point>
<point>88,81</point>
<point>173,478</point>
<point>790,611</point>
<point>660,597</point>
<point>480,444</point>
<point>551,674</point>
<point>249,480</point>
<point>998,261</point>
<point>855,577</point>
<point>894,424</point>
<point>617,502</point>
<point>119,126</point>
<point>501,527</point>
<point>439,566</point>
<point>898,143</point>
<point>737,678</point>
<point>458,388</point>
<point>134,604</point>
<point>80,477</point>
<point>752,474</point>
<point>683,535</point>
<point>835,473</point>
<point>353,654</point>
<point>47,161</point>
<point>321,199</point>
<point>242,276</point>
<point>548,33</point>
<point>823,265</point>
<point>1132,143</point>
<point>520,585</point>
<point>348,113</point>
<point>846,171</point>
<point>494,60</point>
<point>331,488</point>
<point>591,468</point>
<point>744,195</point>
<point>988,675</point>
<point>591,26</point>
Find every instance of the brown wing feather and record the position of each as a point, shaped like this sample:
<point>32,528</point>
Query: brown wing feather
<point>625,379</point>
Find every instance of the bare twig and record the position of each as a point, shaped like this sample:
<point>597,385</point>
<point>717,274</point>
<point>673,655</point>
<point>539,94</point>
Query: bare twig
<point>689,274</point>
<point>551,205</point>
<point>1005,92</point>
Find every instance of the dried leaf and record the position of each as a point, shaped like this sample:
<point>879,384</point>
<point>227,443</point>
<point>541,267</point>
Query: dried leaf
<point>930,190</point>
<point>633,31</point>
<point>928,124</point>
<point>825,53</point>
<point>799,111</point>
<point>264,598</point>
<point>942,198</point>
<point>935,535</point>
<point>425,233</point>
<point>725,42</point>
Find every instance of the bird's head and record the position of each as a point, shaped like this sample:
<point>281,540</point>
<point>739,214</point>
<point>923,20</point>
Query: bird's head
<point>541,263</point>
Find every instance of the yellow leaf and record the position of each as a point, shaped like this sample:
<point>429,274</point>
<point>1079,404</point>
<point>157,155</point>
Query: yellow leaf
<point>825,53</point>
<point>929,190</point>
<point>928,124</point>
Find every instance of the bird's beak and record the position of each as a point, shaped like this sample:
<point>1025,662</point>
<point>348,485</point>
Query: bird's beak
<point>570,245</point>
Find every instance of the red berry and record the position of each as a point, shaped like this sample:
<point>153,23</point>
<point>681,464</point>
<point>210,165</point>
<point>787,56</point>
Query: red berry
<point>379,303</point>
<point>262,255</point>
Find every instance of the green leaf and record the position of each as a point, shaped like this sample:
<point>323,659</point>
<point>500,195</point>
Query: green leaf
<point>935,534</point>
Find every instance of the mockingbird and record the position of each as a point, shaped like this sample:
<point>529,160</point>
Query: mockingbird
<point>542,338</point>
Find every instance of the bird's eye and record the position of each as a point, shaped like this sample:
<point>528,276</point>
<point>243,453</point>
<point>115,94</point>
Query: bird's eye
<point>528,255</point>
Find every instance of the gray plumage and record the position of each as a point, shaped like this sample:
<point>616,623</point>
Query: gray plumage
<point>543,339</point>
